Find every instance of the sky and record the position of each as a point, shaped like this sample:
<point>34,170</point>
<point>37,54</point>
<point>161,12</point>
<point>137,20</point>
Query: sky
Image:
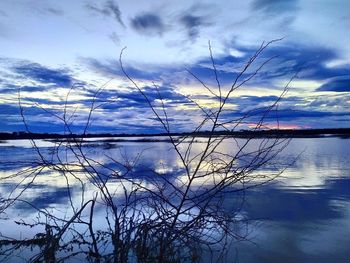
<point>60,59</point>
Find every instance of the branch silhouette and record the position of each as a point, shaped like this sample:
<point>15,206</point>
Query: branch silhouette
<point>156,217</point>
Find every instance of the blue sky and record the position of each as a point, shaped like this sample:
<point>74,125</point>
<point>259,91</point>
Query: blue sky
<point>51,48</point>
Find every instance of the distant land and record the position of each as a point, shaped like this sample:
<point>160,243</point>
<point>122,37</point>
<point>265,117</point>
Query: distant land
<point>307,133</point>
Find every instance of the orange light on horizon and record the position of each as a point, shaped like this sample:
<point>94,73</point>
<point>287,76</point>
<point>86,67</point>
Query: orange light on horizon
<point>280,126</point>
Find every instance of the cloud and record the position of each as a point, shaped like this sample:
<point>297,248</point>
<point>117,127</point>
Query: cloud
<point>133,98</point>
<point>114,37</point>
<point>110,9</point>
<point>310,61</point>
<point>114,10</point>
<point>193,23</point>
<point>302,111</point>
<point>338,84</point>
<point>39,121</point>
<point>54,11</point>
<point>301,114</point>
<point>282,13</point>
<point>37,72</point>
<point>336,101</point>
<point>148,23</point>
<point>7,109</point>
<point>289,117</point>
<point>10,89</point>
<point>275,6</point>
<point>111,68</point>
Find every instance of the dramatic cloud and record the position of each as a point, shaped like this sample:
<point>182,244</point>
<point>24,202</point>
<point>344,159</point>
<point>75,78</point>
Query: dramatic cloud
<point>111,68</point>
<point>66,43</point>
<point>134,99</point>
<point>309,61</point>
<point>110,8</point>
<point>288,115</point>
<point>43,74</point>
<point>148,23</point>
<point>340,84</point>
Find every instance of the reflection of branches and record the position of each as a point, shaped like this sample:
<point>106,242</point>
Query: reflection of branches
<point>156,217</point>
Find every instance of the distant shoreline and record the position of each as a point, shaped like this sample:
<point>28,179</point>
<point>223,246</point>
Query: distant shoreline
<point>306,133</point>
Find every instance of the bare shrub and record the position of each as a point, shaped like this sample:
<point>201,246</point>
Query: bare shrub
<point>156,217</point>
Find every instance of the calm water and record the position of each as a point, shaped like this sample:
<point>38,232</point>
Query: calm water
<point>302,216</point>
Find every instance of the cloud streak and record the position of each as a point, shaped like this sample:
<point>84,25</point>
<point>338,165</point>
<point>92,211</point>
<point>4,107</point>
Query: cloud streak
<point>338,84</point>
<point>109,9</point>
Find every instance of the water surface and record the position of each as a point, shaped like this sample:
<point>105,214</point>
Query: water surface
<point>301,216</point>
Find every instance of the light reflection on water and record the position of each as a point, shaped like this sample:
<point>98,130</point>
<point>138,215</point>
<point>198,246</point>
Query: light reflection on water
<point>302,216</point>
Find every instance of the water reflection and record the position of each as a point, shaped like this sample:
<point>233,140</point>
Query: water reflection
<point>302,216</point>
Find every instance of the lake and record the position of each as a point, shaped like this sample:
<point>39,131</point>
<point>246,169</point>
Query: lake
<point>301,216</point>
